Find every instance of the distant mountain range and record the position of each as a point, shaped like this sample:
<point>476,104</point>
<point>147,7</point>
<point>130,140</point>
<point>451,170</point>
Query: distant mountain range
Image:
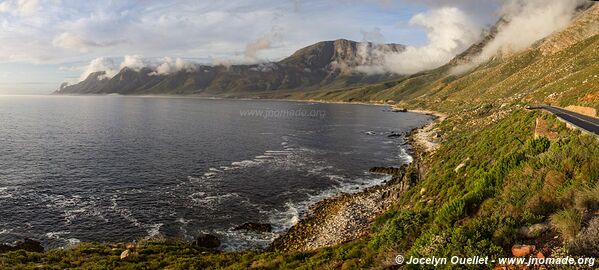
<point>324,65</point>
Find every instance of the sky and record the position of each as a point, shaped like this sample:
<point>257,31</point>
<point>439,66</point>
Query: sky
<point>46,42</point>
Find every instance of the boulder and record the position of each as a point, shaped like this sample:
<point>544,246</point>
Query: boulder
<point>30,245</point>
<point>255,227</point>
<point>207,241</point>
<point>523,250</point>
<point>128,255</point>
<point>27,245</point>
<point>131,246</point>
<point>534,231</point>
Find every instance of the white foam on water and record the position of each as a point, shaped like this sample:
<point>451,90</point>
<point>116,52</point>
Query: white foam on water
<point>243,240</point>
<point>5,193</point>
<point>283,220</point>
<point>153,230</point>
<point>210,174</point>
<point>56,235</point>
<point>204,199</point>
<point>72,241</point>
<point>5,231</point>
<point>277,152</point>
<point>404,156</point>
<point>124,212</point>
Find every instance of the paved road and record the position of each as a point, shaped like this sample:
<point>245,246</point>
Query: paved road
<point>587,123</point>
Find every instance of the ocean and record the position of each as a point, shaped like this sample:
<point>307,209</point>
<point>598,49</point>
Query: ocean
<point>118,168</point>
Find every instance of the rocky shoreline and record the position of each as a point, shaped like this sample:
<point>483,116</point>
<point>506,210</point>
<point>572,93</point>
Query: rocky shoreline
<point>349,216</point>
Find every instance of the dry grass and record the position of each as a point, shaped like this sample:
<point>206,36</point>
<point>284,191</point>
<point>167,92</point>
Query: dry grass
<point>568,222</point>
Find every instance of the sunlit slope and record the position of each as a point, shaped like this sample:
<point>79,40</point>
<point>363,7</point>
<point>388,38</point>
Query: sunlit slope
<point>563,70</point>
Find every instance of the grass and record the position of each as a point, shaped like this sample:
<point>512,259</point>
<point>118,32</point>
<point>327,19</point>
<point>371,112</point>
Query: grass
<point>568,222</point>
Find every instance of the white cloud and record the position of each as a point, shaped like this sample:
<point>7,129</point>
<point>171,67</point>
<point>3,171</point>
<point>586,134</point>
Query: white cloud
<point>170,66</point>
<point>71,41</point>
<point>100,64</point>
<point>449,32</point>
<point>530,21</point>
<point>20,7</point>
<point>134,62</point>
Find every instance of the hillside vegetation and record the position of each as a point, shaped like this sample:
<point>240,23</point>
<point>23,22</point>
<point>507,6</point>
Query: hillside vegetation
<point>493,183</point>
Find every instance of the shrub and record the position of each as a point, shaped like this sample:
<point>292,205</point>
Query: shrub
<point>567,222</point>
<point>587,242</point>
<point>451,212</point>
<point>399,230</point>
<point>587,199</point>
<point>537,146</point>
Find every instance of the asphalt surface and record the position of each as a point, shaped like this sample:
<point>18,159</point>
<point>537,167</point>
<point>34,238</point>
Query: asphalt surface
<point>587,123</point>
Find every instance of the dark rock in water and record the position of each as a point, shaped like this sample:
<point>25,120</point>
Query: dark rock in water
<point>27,245</point>
<point>400,110</point>
<point>256,227</point>
<point>387,170</point>
<point>5,248</point>
<point>207,241</point>
<point>30,245</point>
<point>394,135</point>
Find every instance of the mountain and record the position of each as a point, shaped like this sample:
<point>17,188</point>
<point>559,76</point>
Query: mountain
<point>561,69</point>
<point>325,64</point>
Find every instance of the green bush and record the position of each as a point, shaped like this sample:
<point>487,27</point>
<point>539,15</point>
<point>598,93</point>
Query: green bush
<point>399,230</point>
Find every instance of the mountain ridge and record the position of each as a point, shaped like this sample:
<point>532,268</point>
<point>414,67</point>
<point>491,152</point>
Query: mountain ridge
<point>326,64</point>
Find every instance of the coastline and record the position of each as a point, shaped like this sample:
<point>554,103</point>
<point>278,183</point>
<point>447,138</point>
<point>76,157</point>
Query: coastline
<point>349,216</point>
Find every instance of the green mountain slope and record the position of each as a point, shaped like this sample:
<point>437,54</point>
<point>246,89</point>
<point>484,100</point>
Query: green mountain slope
<point>562,69</point>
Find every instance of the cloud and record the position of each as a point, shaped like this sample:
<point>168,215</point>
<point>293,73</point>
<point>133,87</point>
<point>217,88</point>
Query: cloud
<point>170,66</point>
<point>134,62</point>
<point>449,32</point>
<point>20,7</point>
<point>100,64</point>
<point>72,41</point>
<point>253,47</point>
<point>529,21</point>
<point>526,22</point>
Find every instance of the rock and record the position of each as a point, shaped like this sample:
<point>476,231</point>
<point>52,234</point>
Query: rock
<point>460,166</point>
<point>256,227</point>
<point>207,241</point>
<point>27,245</point>
<point>128,255</point>
<point>387,170</point>
<point>30,245</point>
<point>5,248</point>
<point>400,110</point>
<point>522,250</point>
<point>534,231</point>
<point>394,135</point>
<point>131,246</point>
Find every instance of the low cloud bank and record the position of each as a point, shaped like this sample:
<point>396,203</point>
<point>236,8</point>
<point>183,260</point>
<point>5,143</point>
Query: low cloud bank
<point>451,30</point>
<point>165,66</point>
